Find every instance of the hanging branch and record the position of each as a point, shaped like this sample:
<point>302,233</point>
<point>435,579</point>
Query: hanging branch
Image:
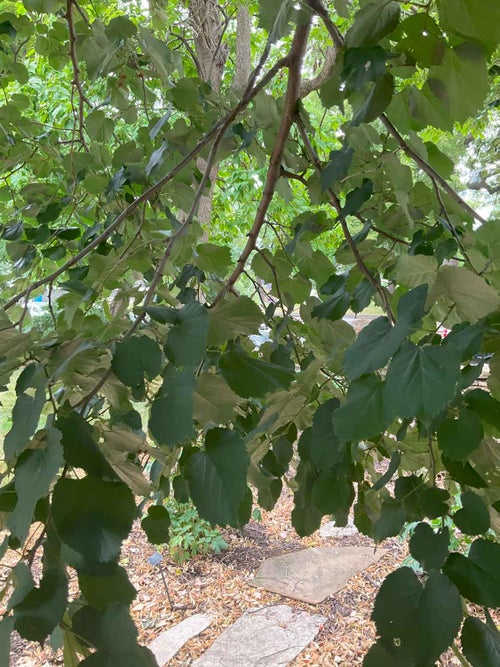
<point>338,40</point>
<point>334,200</point>
<point>292,96</point>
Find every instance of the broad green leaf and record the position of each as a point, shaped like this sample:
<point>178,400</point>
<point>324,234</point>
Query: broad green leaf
<point>171,419</point>
<point>156,524</point>
<point>6,628</point>
<point>26,412</point>
<point>421,380</point>
<point>105,585</point>
<point>414,270</point>
<point>471,295</point>
<point>79,441</point>
<point>114,634</point>
<point>214,400</point>
<point>213,258</point>
<point>331,494</point>
<point>217,476</point>
<point>35,469</point>
<point>433,502</point>
<point>430,549</point>
<point>473,518</point>
<point>461,81</point>
<point>187,339</point>
<point>391,520</point>
<point>419,623</point>
<point>232,317</point>
<point>388,474</point>
<point>337,167</point>
<point>480,643</point>
<point>137,358</point>
<point>42,609</point>
<point>334,307</point>
<point>93,517</point>
<point>457,438</point>
<point>379,341</point>
<point>357,197</point>
<point>306,517</point>
<point>476,576</point>
<point>484,405</point>
<point>374,101</point>
<point>248,376</point>
<point>476,19</point>
<point>365,412</point>
<point>372,22</point>
<point>325,449</point>
<point>464,473</point>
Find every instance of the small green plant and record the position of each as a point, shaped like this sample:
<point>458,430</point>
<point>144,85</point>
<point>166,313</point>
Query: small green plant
<point>190,535</point>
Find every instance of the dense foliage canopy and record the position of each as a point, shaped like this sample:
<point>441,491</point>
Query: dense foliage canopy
<point>195,198</point>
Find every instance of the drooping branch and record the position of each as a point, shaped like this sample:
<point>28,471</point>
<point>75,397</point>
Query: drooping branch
<point>292,97</point>
<point>334,200</point>
<point>338,40</point>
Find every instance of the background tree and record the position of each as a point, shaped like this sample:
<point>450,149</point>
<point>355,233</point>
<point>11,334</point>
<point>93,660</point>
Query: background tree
<point>166,202</point>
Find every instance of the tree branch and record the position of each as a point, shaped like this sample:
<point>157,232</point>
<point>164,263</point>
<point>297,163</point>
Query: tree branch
<point>82,99</point>
<point>292,96</point>
<point>310,85</point>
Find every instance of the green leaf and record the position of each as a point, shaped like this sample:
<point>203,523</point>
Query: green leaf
<point>480,643</point>
<point>333,308</point>
<point>379,341</point>
<point>430,549</point>
<point>418,623</point>
<point>357,197</point>
<point>214,400</point>
<point>217,476</point>
<point>306,517</point>
<point>187,339</point>
<point>156,524</point>
<point>171,419</point>
<point>471,295</point>
<point>35,469</point>
<point>421,380</point>
<point>337,168</point>
<point>27,410</point>
<point>473,518</point>
<point>137,358</point>
<point>232,317</point>
<point>93,517</point>
<point>433,502</point>
<point>325,449</point>
<point>105,585</point>
<point>372,22</point>
<point>6,628</point>
<point>391,520</point>
<point>457,438</point>
<point>42,609</point>
<point>476,19</point>
<point>252,377</point>
<point>375,100</point>
<point>391,469</point>
<point>484,405</point>
<point>114,634</point>
<point>365,413</point>
<point>213,258</point>
<point>463,473</point>
<point>79,441</point>
<point>414,270</point>
<point>477,576</point>
<point>331,494</point>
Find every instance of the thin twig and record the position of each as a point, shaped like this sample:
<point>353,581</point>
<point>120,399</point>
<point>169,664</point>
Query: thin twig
<point>82,99</point>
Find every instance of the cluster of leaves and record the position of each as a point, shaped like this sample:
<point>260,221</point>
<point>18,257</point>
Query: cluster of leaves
<point>109,139</point>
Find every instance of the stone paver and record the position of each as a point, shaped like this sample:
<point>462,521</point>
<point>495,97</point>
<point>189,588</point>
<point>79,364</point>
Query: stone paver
<point>271,636</point>
<point>331,530</point>
<point>311,575</point>
<point>166,645</point>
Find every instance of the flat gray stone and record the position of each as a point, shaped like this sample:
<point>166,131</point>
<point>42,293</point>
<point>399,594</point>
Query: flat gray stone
<point>331,530</point>
<point>270,636</point>
<point>311,575</point>
<point>166,645</point>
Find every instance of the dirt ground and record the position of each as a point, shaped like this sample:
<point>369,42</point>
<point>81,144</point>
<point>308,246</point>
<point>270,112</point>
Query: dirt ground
<point>217,584</point>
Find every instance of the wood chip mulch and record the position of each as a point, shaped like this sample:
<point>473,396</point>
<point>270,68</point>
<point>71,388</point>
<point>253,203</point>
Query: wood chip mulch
<point>217,584</point>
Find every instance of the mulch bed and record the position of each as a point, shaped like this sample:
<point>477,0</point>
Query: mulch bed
<point>217,584</point>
